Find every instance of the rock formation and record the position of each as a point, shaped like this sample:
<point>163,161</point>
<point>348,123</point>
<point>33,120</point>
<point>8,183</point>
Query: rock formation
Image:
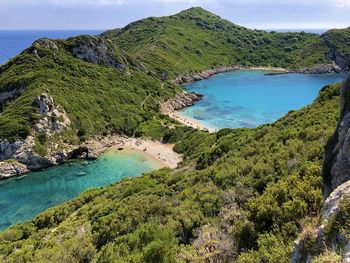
<point>322,240</point>
<point>97,51</point>
<point>180,101</point>
<point>11,168</point>
<point>319,69</point>
<point>45,43</point>
<point>19,156</point>
<point>54,118</point>
<point>336,168</point>
<point>204,74</point>
<point>336,172</point>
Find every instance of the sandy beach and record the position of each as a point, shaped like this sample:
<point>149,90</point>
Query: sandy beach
<point>269,69</point>
<point>176,115</point>
<point>162,153</point>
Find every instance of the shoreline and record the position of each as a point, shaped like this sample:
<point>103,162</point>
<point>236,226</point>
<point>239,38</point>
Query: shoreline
<point>163,154</point>
<point>206,74</point>
<point>190,122</point>
<point>155,163</point>
<point>174,113</point>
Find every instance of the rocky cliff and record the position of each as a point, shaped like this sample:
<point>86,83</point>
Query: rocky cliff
<point>332,237</point>
<point>180,101</point>
<point>20,156</point>
<point>336,168</point>
<point>204,74</point>
<point>97,51</point>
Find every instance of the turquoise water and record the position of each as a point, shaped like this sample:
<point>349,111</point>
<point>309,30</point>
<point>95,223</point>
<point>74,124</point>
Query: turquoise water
<point>250,98</point>
<point>24,197</point>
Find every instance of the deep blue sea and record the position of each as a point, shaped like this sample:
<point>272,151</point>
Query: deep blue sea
<point>250,98</point>
<point>22,198</point>
<point>13,42</point>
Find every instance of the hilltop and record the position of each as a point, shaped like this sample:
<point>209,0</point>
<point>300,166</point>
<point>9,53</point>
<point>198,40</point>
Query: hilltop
<point>195,40</point>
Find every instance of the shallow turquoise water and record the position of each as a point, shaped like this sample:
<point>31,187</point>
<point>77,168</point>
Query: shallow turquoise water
<point>250,98</point>
<point>23,198</point>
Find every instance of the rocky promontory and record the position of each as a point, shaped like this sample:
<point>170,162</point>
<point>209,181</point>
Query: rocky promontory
<point>204,74</point>
<point>180,101</point>
<point>22,155</point>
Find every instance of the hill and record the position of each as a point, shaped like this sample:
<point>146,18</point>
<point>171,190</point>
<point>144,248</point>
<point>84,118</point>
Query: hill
<point>58,93</point>
<point>195,40</point>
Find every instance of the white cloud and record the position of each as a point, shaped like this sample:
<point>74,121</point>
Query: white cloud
<point>341,3</point>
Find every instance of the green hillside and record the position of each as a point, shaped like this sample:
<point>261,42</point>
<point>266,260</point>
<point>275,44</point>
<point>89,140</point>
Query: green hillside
<point>195,40</point>
<point>97,97</point>
<point>250,194</point>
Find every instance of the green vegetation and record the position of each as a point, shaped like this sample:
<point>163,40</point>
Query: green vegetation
<point>195,40</point>
<point>238,194</point>
<point>248,197</point>
<point>97,99</point>
<point>338,39</point>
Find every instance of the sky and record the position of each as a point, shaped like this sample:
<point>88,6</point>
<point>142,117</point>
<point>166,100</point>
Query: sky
<point>108,14</point>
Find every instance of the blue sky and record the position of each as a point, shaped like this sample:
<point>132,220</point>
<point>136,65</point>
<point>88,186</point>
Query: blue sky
<point>106,14</point>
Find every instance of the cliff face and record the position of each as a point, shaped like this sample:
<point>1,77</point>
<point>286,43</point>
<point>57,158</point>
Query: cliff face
<point>332,234</point>
<point>336,169</point>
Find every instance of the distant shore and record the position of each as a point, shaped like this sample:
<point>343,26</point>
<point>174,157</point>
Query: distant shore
<point>317,69</point>
<point>268,69</point>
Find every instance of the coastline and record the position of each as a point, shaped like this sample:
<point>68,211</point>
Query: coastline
<point>317,69</point>
<point>161,153</point>
<point>180,101</point>
<point>176,115</point>
<point>172,106</point>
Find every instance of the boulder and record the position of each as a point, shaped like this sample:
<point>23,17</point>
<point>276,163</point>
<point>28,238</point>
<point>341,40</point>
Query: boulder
<point>12,168</point>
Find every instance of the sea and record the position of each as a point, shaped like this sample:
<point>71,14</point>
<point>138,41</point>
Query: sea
<point>13,42</point>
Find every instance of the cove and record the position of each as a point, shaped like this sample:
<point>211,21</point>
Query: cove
<point>249,98</point>
<point>23,198</point>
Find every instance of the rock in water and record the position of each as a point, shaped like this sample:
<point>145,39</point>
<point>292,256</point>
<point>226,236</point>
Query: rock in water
<point>12,168</point>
